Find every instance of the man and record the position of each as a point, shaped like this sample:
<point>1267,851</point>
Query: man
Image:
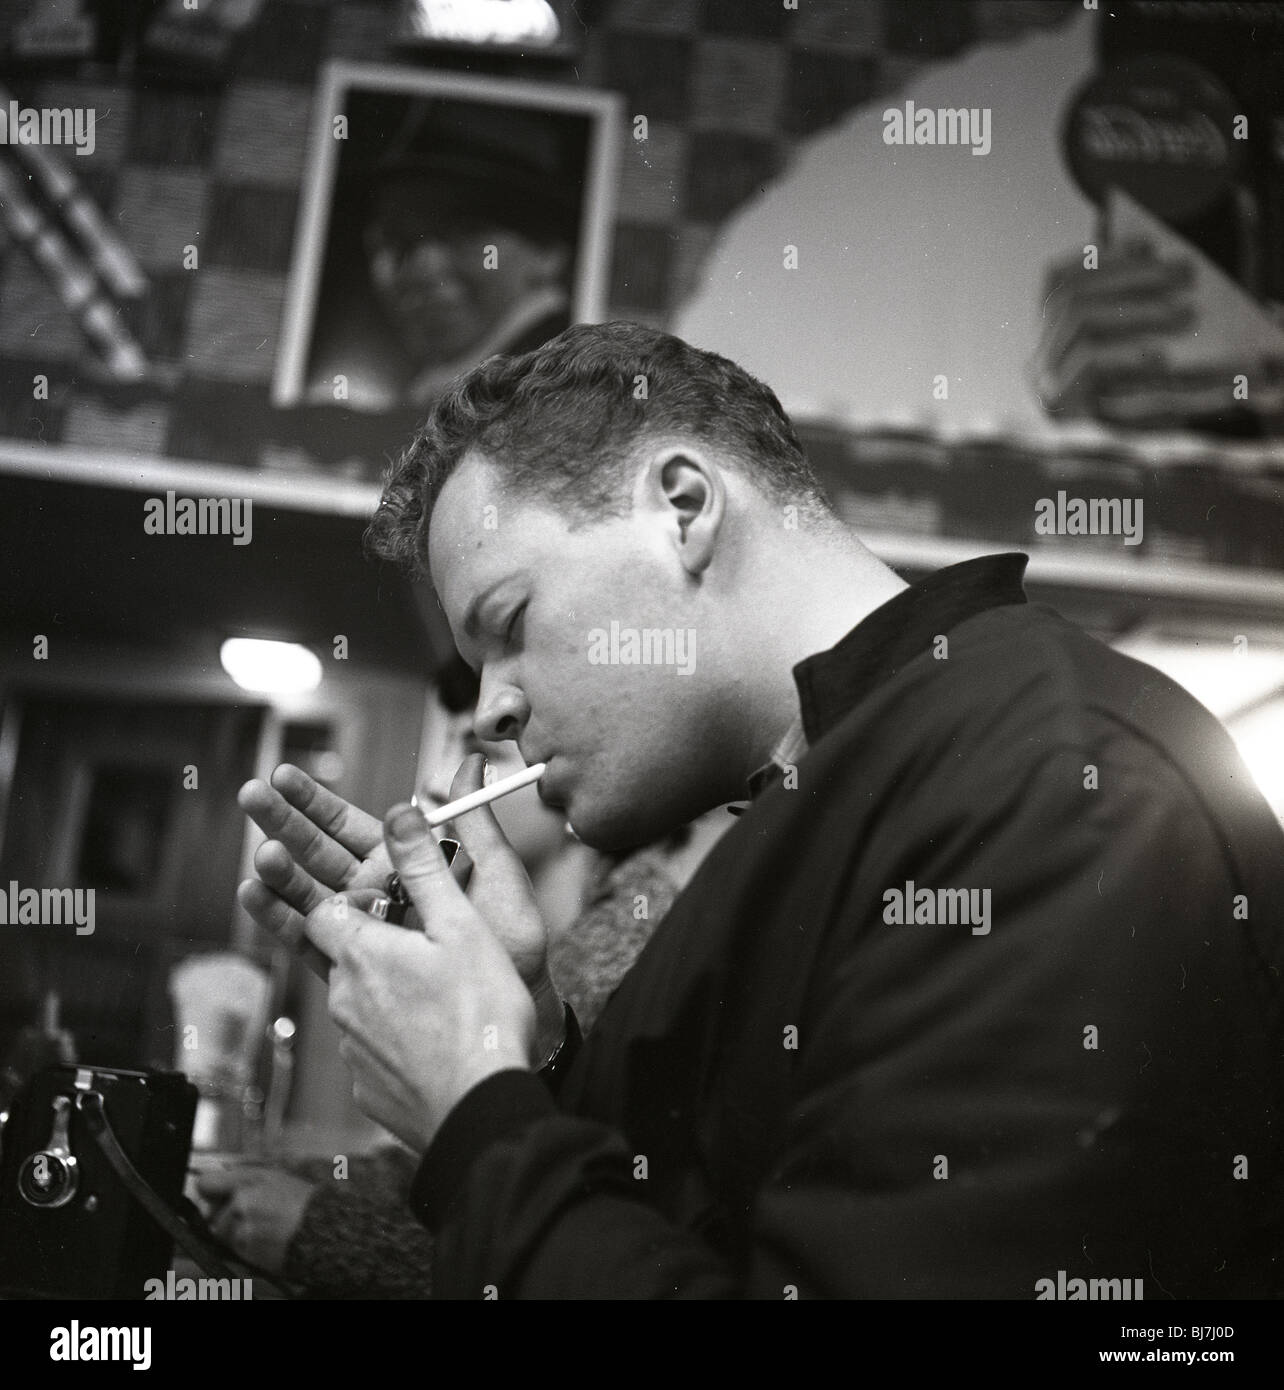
<point>447,304</point>
<point>983,987</point>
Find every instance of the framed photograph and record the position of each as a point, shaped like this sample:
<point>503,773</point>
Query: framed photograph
<point>444,219</point>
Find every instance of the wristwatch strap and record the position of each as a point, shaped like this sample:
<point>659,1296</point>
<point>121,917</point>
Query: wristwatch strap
<point>564,1053</point>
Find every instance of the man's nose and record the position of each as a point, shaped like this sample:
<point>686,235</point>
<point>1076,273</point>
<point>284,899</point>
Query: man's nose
<point>501,714</point>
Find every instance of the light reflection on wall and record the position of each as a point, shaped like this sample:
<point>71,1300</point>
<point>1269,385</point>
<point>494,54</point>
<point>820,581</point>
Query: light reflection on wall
<point>1241,679</point>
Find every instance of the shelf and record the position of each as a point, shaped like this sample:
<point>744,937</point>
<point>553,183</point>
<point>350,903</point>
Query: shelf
<point>303,491</point>
<point>1056,566</point>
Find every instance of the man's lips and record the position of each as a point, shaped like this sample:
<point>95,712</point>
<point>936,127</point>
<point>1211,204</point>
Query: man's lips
<point>547,784</point>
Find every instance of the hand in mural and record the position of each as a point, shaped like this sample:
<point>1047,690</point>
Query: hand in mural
<point>1106,326</point>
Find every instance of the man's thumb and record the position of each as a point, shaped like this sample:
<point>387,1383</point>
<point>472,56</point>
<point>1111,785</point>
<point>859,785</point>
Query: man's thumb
<point>417,858</point>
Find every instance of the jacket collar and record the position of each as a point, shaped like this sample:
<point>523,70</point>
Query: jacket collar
<point>896,632</point>
<point>830,683</point>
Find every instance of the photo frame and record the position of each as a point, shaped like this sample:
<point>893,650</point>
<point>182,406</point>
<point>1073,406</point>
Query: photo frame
<point>444,218</point>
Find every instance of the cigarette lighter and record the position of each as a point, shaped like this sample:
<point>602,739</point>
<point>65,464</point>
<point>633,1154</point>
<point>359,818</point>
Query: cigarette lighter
<point>394,908</point>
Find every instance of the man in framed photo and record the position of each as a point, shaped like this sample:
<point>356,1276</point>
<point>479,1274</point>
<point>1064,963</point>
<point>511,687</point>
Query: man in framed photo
<point>467,249</point>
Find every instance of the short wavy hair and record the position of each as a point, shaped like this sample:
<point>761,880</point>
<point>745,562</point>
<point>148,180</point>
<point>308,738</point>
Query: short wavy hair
<point>564,422</point>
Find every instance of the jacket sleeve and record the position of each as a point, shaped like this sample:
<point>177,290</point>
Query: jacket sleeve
<point>975,1109</point>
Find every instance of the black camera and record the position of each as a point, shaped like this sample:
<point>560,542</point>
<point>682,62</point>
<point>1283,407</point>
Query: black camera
<point>85,1152</point>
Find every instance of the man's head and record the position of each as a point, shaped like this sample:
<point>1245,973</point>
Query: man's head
<point>606,521</point>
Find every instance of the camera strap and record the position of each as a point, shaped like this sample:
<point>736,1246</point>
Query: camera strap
<point>90,1105</point>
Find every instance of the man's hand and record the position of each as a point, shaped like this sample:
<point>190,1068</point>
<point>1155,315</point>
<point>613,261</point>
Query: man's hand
<point>500,890</point>
<point>318,844</point>
<point>256,1211</point>
<point>426,1015</point>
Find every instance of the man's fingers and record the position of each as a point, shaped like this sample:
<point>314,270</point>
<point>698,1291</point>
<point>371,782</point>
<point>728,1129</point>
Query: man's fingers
<point>275,915</point>
<point>336,922</point>
<point>470,776</point>
<point>275,865</point>
<point>292,811</point>
<point>323,857</point>
<point>271,911</point>
<point>425,875</point>
<point>478,830</point>
<point>352,827</point>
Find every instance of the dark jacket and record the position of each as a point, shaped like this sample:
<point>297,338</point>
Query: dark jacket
<point>792,1094</point>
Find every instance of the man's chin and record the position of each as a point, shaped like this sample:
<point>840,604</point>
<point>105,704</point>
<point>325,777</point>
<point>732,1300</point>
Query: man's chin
<point>617,833</point>
<point>605,842</point>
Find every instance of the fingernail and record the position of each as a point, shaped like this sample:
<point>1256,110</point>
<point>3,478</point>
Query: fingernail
<point>409,825</point>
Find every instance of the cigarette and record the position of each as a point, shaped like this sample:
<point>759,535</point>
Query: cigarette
<point>487,794</point>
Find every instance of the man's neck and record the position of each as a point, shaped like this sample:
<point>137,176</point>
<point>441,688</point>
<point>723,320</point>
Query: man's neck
<point>813,602</point>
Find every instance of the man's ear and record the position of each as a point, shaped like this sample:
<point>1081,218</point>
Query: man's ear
<point>691,492</point>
